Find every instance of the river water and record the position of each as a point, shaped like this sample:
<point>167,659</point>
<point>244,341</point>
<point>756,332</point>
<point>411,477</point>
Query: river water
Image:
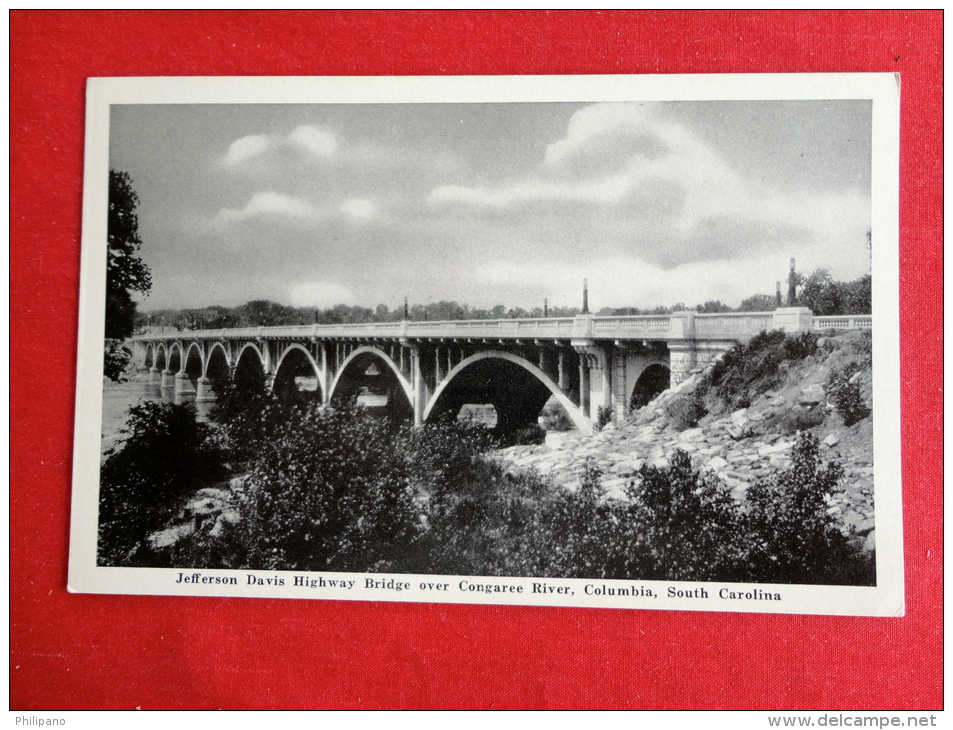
<point>118,397</point>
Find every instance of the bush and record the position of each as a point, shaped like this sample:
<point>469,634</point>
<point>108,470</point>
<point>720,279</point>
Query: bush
<point>555,418</point>
<point>791,537</point>
<point>748,370</point>
<point>685,523</point>
<point>330,492</point>
<point>166,455</point>
<point>604,418</point>
<point>846,396</point>
<point>684,411</point>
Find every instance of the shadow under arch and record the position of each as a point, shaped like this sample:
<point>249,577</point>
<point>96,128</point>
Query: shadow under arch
<point>194,362</point>
<point>361,377</point>
<point>652,381</point>
<point>295,372</point>
<point>515,387</point>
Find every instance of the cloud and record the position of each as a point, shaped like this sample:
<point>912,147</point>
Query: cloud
<point>321,294</point>
<point>269,204</point>
<point>654,186</point>
<point>315,140</point>
<point>246,148</point>
<point>359,209</point>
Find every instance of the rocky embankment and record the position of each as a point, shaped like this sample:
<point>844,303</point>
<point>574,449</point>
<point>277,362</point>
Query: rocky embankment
<point>739,446</point>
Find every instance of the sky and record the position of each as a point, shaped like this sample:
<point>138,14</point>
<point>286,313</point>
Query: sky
<point>508,203</point>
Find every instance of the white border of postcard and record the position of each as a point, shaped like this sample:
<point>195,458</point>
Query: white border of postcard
<point>886,599</point>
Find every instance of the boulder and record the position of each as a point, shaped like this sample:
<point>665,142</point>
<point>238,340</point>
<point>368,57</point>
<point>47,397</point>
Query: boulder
<point>811,395</point>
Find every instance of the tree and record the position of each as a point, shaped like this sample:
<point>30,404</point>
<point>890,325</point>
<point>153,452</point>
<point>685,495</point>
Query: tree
<point>820,294</point>
<point>126,274</point>
<point>759,303</point>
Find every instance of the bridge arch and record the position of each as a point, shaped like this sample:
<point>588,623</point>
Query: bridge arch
<point>654,378</point>
<point>352,378</point>
<point>250,364</point>
<point>161,357</point>
<point>515,387</point>
<point>194,361</point>
<point>217,359</point>
<point>294,363</point>
<point>174,363</point>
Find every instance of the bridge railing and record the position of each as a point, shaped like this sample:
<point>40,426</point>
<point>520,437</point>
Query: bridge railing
<point>849,322</point>
<point>733,324</point>
<point>494,328</point>
<point>650,326</point>
<point>725,325</point>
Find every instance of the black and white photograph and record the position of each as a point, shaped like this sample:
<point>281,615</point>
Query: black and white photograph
<point>620,342</point>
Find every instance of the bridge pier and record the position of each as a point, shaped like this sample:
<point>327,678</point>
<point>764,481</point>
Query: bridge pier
<point>203,391</point>
<point>183,386</point>
<point>166,379</point>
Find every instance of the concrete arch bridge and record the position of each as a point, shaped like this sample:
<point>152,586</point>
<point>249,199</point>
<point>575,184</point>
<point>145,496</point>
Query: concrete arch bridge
<point>426,370</point>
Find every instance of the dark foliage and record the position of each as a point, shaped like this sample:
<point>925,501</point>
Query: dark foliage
<point>747,370</point>
<point>845,394</point>
<point>346,505</point>
<point>790,534</point>
<point>340,490</point>
<point>684,411</point>
<point>165,457</point>
<point>126,274</point>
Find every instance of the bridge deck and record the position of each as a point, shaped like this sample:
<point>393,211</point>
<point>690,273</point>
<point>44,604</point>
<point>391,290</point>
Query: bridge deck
<point>731,325</point>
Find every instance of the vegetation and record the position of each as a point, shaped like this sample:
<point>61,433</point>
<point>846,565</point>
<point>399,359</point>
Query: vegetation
<point>818,291</point>
<point>165,457</point>
<point>126,274</point>
<point>748,370</point>
<point>342,491</point>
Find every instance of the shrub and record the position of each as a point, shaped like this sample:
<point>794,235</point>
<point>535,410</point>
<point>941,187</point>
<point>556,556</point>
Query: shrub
<point>790,536</point>
<point>330,492</point>
<point>748,370</point>
<point>846,396</point>
<point>604,417</point>
<point>555,418</point>
<point>165,456</point>
<point>684,522</point>
<point>684,411</point>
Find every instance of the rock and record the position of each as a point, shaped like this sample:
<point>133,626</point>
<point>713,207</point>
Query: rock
<point>778,448</point>
<point>870,544</point>
<point>811,395</point>
<point>692,434</point>
<point>831,440</point>
<point>716,463</point>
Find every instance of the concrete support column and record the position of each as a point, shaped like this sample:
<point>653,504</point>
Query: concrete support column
<point>417,383</point>
<point>182,384</point>
<point>584,386</point>
<point>683,360</point>
<point>438,375</point>
<point>203,391</point>
<point>563,384</point>
<point>166,379</point>
<point>328,376</point>
<point>154,374</point>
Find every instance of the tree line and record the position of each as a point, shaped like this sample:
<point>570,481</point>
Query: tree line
<point>818,291</point>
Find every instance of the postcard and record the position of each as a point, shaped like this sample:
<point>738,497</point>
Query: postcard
<point>625,342</point>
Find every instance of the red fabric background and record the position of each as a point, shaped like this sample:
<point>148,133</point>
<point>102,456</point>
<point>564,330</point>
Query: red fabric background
<point>123,652</point>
